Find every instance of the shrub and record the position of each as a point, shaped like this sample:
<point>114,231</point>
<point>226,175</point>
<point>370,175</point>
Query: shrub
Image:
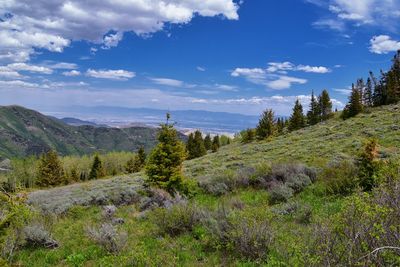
<point>248,239</point>
<point>340,178</point>
<point>304,214</point>
<point>108,237</point>
<point>280,193</point>
<point>37,236</point>
<point>298,182</point>
<point>286,208</point>
<point>177,219</point>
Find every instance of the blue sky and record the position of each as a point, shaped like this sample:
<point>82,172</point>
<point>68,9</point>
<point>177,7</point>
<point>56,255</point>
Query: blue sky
<point>215,55</point>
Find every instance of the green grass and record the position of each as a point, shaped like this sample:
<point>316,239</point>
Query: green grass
<point>316,146</point>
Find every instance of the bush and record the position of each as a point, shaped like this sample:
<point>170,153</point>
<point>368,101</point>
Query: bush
<point>298,182</point>
<point>178,219</point>
<point>248,239</point>
<point>280,193</point>
<point>108,237</point>
<point>37,236</point>
<point>340,178</point>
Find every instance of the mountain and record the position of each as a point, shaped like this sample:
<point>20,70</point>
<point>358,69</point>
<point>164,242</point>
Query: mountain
<point>206,121</point>
<point>78,122</point>
<point>27,132</point>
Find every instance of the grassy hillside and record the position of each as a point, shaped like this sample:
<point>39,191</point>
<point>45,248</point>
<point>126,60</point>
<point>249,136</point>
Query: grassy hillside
<point>27,132</point>
<point>295,230</point>
<point>317,145</point>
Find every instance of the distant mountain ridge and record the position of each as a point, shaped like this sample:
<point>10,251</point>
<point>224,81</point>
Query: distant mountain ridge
<point>26,132</point>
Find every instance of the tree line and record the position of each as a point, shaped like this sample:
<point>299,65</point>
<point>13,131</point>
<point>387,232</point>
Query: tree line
<point>375,92</point>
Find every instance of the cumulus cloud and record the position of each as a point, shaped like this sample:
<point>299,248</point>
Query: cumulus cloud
<point>383,44</point>
<point>71,73</point>
<point>119,75</point>
<point>381,13</point>
<point>28,24</point>
<point>275,75</point>
<point>30,68</point>
<point>18,84</point>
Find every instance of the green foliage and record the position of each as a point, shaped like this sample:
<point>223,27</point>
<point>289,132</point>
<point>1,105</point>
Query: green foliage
<point>164,166</point>
<point>208,142</point>
<point>14,215</point>
<point>297,120</point>
<point>195,146</point>
<point>248,136</point>
<point>178,219</point>
<point>340,178</point>
<point>354,106</point>
<point>280,193</point>
<point>325,105</point>
<point>97,171</point>
<point>137,163</point>
<point>266,125</point>
<point>50,171</point>
<point>215,144</point>
<point>313,115</point>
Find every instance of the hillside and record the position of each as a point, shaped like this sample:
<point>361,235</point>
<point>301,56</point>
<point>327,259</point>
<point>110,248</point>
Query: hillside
<point>223,229</point>
<point>27,132</point>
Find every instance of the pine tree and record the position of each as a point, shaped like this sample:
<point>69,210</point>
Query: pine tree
<point>368,94</point>
<point>368,165</point>
<point>266,125</point>
<point>248,136</point>
<point>313,115</point>
<point>136,163</point>
<point>354,106</point>
<point>207,142</point>
<point>297,120</point>
<point>325,105</point>
<point>190,146</point>
<point>215,144</point>
<point>380,92</point>
<point>393,81</point>
<point>200,149</point>
<point>280,126</point>
<point>50,171</point>
<point>97,170</point>
<point>164,165</point>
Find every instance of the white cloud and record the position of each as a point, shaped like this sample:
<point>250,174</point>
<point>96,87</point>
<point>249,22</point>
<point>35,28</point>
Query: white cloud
<point>121,75</point>
<point>112,40</point>
<point>345,91</point>
<point>18,84</point>
<point>275,75</point>
<point>52,25</point>
<point>199,68</point>
<point>71,73</point>
<point>8,73</point>
<point>30,68</point>
<point>62,65</point>
<point>167,82</point>
<point>380,13</point>
<point>383,44</point>
<point>226,87</point>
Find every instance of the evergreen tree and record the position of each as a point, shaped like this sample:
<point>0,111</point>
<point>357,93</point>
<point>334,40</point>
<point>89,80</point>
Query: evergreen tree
<point>266,125</point>
<point>164,165</point>
<point>207,142</point>
<point>248,136</point>
<point>136,163</point>
<point>97,170</point>
<point>280,125</point>
<point>297,120</point>
<point>195,146</point>
<point>50,171</point>
<point>368,165</point>
<point>325,105</point>
<point>313,115</point>
<point>393,81</point>
<point>354,106</point>
<point>215,144</point>
<point>368,94</point>
<point>380,92</point>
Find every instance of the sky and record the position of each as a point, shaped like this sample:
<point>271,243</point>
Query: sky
<point>215,55</point>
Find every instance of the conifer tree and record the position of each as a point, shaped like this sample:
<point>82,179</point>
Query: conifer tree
<point>354,106</point>
<point>280,125</point>
<point>248,136</point>
<point>368,94</point>
<point>200,149</point>
<point>136,163</point>
<point>266,125</point>
<point>164,165</point>
<point>190,146</point>
<point>50,171</point>
<point>207,142</point>
<point>325,105</point>
<point>215,144</point>
<point>380,92</point>
<point>297,120</point>
<point>393,81</point>
<point>314,114</point>
<point>97,170</point>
